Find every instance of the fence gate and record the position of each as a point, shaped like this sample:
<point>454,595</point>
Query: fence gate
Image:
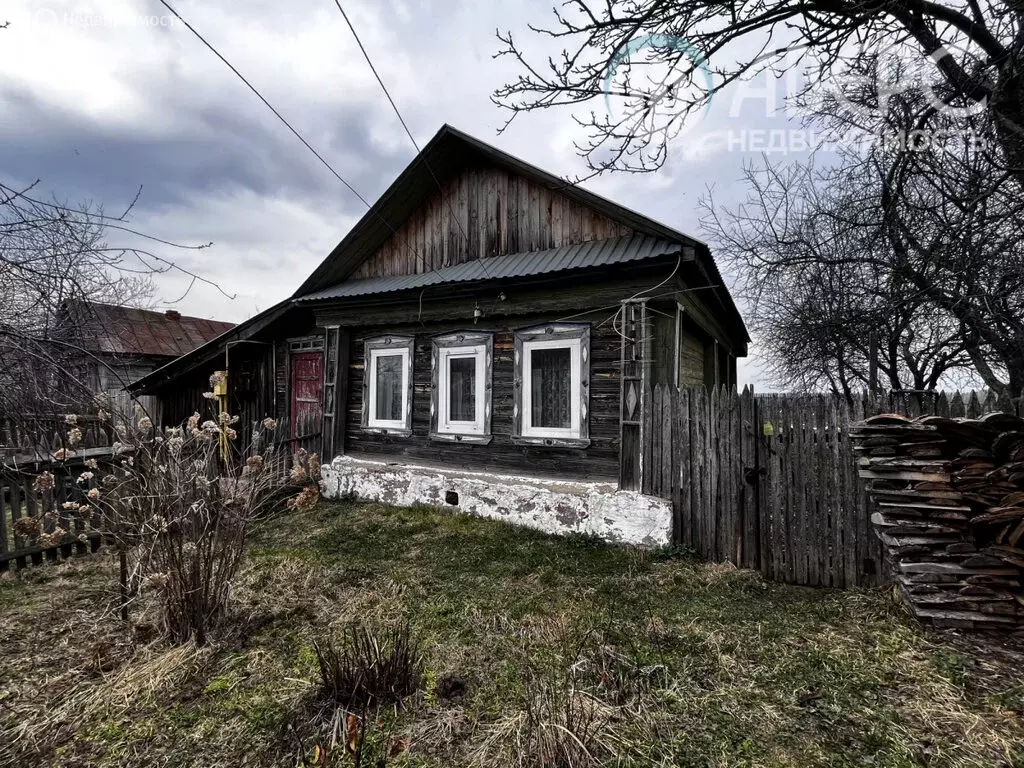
<point>766,481</point>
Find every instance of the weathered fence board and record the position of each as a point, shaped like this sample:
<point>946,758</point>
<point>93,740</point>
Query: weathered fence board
<point>769,481</point>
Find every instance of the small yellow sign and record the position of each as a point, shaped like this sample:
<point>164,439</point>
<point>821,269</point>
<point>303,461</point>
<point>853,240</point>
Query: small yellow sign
<point>768,429</point>
<point>220,383</point>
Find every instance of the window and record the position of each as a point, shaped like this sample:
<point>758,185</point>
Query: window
<point>387,385</point>
<point>552,385</point>
<point>460,407</point>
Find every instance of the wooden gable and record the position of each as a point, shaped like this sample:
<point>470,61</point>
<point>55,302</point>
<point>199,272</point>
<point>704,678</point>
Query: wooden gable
<point>485,212</point>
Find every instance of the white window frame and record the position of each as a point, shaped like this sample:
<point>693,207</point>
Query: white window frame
<point>374,355</point>
<point>575,389</point>
<point>445,425</point>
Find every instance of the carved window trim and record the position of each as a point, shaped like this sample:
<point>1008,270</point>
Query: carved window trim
<point>576,337</point>
<point>403,345</point>
<point>444,348</point>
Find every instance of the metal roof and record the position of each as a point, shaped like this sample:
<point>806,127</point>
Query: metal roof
<point>113,329</point>
<point>595,253</point>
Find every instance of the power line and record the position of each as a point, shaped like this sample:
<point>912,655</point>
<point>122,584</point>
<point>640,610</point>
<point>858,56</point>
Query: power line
<point>376,74</point>
<point>281,117</point>
<point>269,106</point>
<point>398,113</point>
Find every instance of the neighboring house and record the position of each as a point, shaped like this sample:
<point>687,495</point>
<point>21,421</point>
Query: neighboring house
<point>483,336</point>
<point>114,346</point>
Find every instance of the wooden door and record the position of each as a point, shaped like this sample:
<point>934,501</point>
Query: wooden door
<point>307,395</point>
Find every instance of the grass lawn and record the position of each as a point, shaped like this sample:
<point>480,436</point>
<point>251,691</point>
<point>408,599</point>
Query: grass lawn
<point>643,659</point>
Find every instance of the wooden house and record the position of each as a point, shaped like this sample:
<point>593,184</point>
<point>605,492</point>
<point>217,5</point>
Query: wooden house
<point>482,337</point>
<point>111,346</point>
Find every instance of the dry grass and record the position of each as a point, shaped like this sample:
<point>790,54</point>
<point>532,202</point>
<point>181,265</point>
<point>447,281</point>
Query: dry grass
<point>537,651</point>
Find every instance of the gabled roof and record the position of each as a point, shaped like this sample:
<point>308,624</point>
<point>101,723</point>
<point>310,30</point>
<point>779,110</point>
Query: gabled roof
<point>132,332</point>
<point>593,253</point>
<point>447,153</point>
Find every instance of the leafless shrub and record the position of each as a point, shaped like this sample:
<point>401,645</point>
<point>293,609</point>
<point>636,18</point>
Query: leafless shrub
<point>361,668</point>
<point>559,726</point>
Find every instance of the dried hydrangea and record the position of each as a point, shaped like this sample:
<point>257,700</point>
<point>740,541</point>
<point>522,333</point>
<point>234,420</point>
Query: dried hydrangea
<point>62,454</point>
<point>298,474</point>
<point>145,424</point>
<point>193,421</point>
<point>27,526</point>
<point>44,482</point>
<point>306,498</point>
<point>92,464</point>
<point>269,423</point>
<point>74,436</point>
<point>94,493</point>
<point>85,477</point>
<point>70,419</point>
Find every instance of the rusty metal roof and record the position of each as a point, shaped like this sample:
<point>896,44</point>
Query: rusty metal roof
<point>117,330</point>
<point>595,253</point>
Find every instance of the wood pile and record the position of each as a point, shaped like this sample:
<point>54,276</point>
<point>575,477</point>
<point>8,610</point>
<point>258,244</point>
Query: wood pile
<point>949,498</point>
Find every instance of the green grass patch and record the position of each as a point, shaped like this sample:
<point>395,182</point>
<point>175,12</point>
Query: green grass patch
<point>532,644</point>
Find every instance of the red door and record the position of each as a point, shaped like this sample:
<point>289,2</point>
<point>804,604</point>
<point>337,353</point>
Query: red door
<point>307,394</point>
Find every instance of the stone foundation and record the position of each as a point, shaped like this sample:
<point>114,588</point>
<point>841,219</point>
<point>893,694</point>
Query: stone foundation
<point>553,506</point>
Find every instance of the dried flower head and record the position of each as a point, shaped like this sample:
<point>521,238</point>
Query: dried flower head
<point>209,395</point>
<point>158,580</point>
<point>92,464</point>
<point>306,498</point>
<point>53,538</point>
<point>94,493</point>
<point>71,506</point>
<point>117,448</point>
<point>193,421</point>
<point>269,423</point>
<point>254,461</point>
<point>85,477</point>
<point>70,419</point>
<point>44,482</point>
<point>74,436</point>
<point>27,526</point>
<point>145,424</point>
<point>298,474</point>
<point>109,481</point>
<point>62,454</point>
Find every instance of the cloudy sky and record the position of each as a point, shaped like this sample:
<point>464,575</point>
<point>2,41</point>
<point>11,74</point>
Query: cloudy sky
<point>101,98</point>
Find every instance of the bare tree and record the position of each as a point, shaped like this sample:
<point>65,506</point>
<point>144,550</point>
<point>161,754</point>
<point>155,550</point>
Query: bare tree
<point>827,307</point>
<point>50,254</point>
<point>662,61</point>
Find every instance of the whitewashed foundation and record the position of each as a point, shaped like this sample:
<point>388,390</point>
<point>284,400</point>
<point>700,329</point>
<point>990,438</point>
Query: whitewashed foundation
<point>553,506</point>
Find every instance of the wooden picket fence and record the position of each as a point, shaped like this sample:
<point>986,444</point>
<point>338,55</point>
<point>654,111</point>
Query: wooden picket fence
<point>770,482</point>
<point>19,498</point>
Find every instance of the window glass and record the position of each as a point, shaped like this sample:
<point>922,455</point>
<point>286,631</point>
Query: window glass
<point>389,392</point>
<point>551,387</point>
<point>462,389</point>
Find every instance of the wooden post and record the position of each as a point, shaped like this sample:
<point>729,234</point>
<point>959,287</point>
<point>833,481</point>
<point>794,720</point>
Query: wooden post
<point>633,401</point>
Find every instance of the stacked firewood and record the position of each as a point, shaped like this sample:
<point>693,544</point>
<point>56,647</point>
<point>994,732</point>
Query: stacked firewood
<point>949,495</point>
